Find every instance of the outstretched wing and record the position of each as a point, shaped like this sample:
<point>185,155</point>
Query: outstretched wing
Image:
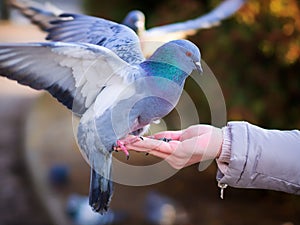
<point>190,27</point>
<point>39,14</point>
<point>73,73</point>
<point>87,29</point>
<point>66,27</point>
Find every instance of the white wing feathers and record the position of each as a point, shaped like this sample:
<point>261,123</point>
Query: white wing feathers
<point>190,27</point>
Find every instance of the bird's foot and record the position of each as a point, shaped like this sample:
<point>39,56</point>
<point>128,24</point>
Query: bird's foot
<point>121,146</point>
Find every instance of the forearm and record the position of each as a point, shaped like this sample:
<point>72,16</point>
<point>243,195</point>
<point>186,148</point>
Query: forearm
<point>253,157</point>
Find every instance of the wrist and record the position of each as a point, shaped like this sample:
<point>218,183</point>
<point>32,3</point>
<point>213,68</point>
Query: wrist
<point>216,142</point>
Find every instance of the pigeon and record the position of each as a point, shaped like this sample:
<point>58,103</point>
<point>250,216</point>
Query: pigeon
<point>154,37</point>
<point>181,30</point>
<point>151,39</point>
<point>103,77</point>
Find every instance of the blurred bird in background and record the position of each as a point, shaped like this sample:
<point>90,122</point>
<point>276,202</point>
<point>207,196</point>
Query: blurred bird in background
<point>151,39</point>
<point>154,37</point>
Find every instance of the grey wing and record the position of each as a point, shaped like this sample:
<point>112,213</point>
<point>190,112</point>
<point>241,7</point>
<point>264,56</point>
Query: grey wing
<point>80,28</point>
<point>73,73</point>
<point>87,29</point>
<point>223,11</point>
<point>39,14</point>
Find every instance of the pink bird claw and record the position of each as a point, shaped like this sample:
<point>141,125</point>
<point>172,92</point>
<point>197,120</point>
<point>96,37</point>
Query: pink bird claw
<point>122,147</point>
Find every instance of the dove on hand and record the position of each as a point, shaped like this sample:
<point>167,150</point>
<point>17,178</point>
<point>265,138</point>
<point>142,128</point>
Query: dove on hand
<point>103,77</point>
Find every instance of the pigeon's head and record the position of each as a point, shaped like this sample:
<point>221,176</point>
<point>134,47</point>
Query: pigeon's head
<point>192,53</point>
<point>135,20</point>
<point>180,53</point>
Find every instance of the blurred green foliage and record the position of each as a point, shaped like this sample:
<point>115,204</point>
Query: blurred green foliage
<point>255,55</point>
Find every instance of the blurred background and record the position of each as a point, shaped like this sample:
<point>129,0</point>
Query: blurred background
<point>255,56</point>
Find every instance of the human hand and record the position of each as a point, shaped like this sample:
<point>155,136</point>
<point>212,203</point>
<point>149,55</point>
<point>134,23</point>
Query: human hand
<point>192,145</point>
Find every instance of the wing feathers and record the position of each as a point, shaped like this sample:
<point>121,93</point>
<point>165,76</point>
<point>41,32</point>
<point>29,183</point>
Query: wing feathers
<point>184,29</point>
<point>87,29</point>
<point>72,73</point>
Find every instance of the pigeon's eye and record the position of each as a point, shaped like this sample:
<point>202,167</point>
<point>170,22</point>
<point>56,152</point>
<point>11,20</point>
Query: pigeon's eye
<point>189,54</point>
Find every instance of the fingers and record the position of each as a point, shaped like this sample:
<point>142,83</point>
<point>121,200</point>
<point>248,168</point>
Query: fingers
<point>174,135</point>
<point>149,144</point>
<point>192,131</point>
<point>159,154</point>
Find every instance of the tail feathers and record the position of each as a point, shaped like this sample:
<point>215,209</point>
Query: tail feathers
<point>101,190</point>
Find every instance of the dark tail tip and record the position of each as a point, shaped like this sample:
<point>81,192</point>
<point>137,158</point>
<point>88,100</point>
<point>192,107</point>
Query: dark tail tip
<point>100,192</point>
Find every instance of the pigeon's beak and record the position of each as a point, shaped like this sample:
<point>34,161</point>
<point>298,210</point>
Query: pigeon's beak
<point>199,67</point>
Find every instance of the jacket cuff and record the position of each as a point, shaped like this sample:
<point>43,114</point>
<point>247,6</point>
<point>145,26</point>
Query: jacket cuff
<point>232,169</point>
<point>225,155</point>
